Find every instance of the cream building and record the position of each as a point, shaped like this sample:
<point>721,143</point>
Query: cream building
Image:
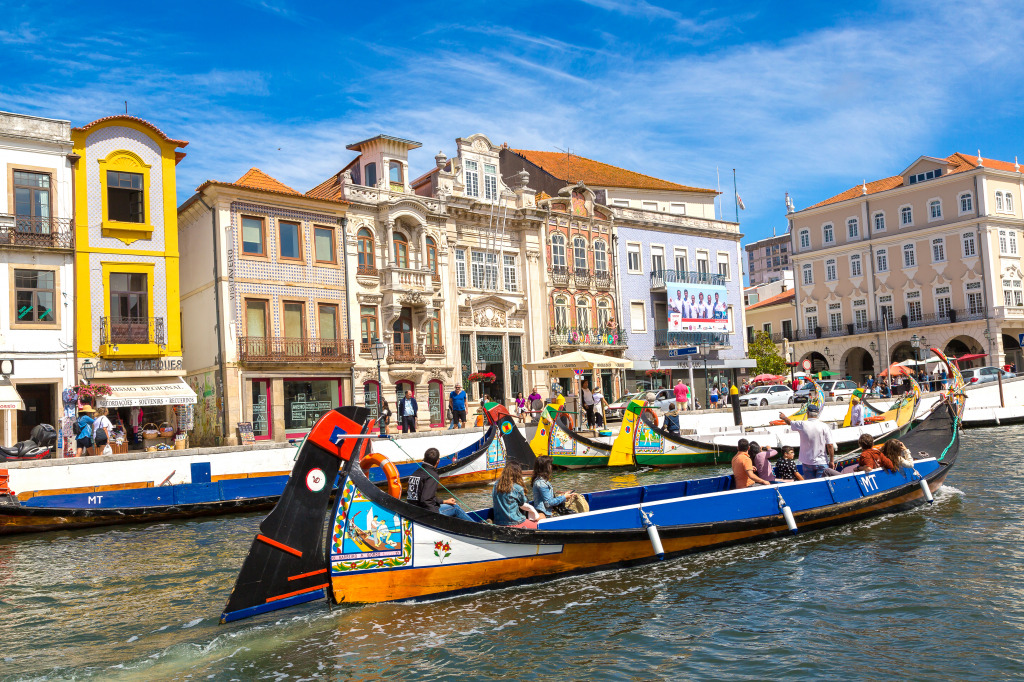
<point>931,255</point>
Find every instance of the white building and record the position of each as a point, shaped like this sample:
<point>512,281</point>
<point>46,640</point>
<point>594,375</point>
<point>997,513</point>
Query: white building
<point>36,264</point>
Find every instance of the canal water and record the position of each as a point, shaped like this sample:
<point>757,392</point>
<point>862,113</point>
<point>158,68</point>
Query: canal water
<point>935,593</point>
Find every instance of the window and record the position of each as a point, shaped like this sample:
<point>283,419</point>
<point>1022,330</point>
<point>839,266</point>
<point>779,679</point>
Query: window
<point>432,256</point>
<point>491,271</point>
<point>1012,293</point>
<point>882,260</point>
<point>909,257</point>
<point>974,306</point>
<point>658,260</point>
<point>253,237</point>
<point>558,252</point>
<point>767,328</point>
<point>1003,246</point>
<point>968,240</point>
<point>34,295</point>
<point>395,174</point>
<point>260,392</point>
<point>401,250</point>
<point>604,314</point>
<point>294,328</point>
<point>1012,234</point>
<point>812,322</point>
<point>966,202</point>
<point>835,321</point>
<point>808,275</point>
<point>620,202</point>
<point>934,209</point>
<point>460,267</point>
<point>885,312</point>
<point>852,229</point>
<point>914,311</point>
<point>582,313</point>
<point>637,316</point>
<point>579,254</point>
<point>750,334</point>
<point>723,265</point>
<point>490,181</point>
<point>830,270</point>
<point>288,240</point>
<point>32,202</point>
<point>633,263</point>
<point>999,201</point>
<point>327,320</point>
<point>702,265</point>
<point>879,222</point>
<point>828,234</point>
<point>402,327</point>
<point>650,205</point>
<point>921,177</point>
<point>906,216</point>
<point>860,318</point>
<point>787,329</point>
<point>939,250</point>
<point>805,239</point>
<point>855,269</point>
<point>943,302</point>
<point>681,264</point>
<point>511,273</point>
<point>125,197</point>
<point>477,268</point>
<point>129,296</point>
<point>323,244</point>
<point>472,179</point>
<point>434,330</point>
<point>1009,203</point>
<point>600,259</point>
<point>371,174</point>
<point>367,326</point>
<point>256,318</point>
<point>364,249</point>
<point>561,313</point>
<point>678,209</point>
<point>305,401</point>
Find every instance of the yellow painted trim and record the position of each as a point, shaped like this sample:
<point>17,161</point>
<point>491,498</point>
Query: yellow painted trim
<point>126,252</point>
<point>128,162</point>
<point>128,349</point>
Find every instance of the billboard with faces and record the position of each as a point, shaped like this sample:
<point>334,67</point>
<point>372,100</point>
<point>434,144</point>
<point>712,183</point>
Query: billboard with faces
<point>697,307</point>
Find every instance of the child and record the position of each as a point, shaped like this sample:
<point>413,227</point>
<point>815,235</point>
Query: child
<point>785,468</point>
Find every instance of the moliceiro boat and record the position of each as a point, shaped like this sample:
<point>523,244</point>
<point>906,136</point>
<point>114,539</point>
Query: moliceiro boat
<point>379,548</point>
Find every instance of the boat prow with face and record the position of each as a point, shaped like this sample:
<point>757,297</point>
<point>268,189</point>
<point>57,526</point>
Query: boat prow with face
<point>417,554</point>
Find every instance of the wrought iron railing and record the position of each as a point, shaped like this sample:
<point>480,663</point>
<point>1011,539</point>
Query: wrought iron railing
<point>434,349</point>
<point>559,275</point>
<point>52,233</point>
<point>581,336</point>
<point>265,349</point>
<point>877,326</point>
<point>581,277</point>
<point>369,270</point>
<point>663,338</point>
<point>602,280</point>
<point>118,330</point>
<point>406,352</point>
<point>661,278</point>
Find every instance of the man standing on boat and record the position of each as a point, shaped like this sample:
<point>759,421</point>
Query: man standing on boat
<point>817,448</point>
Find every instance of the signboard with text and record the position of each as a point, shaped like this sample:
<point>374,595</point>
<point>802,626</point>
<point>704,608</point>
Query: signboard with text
<point>696,307</point>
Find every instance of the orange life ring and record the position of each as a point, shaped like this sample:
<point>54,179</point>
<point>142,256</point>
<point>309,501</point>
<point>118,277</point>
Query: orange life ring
<point>372,459</point>
<point>565,419</point>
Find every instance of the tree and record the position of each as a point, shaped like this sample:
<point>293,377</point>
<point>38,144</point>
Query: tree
<point>767,355</point>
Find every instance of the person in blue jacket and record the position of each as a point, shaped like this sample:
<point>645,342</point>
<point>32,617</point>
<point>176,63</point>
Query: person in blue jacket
<point>83,439</point>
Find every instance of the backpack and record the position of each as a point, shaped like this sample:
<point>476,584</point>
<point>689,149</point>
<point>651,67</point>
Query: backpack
<point>76,427</point>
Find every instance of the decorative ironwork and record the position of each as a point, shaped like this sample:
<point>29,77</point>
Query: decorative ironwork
<point>266,349</point>
<point>465,357</point>
<point>367,270</point>
<point>559,276</point>
<point>663,338</point>
<point>602,280</point>
<point>515,364</point>
<point>660,277</point>
<point>132,330</point>
<point>47,233</point>
<point>612,336</point>
<point>581,277</point>
<point>434,349</point>
<point>406,352</point>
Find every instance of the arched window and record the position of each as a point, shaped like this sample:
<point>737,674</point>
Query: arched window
<point>582,313</point>
<point>401,250</point>
<point>558,252</point>
<point>966,202</point>
<point>604,313</point>
<point>906,215</point>
<point>561,313</point>
<point>828,233</point>
<point>600,258</point>
<point>432,256</point>
<point>852,229</point>
<point>579,254</point>
<point>805,239</point>
<point>364,246</point>
<point>879,222</point>
<point>434,332</point>
<point>1009,202</point>
<point>999,201</point>
<point>934,209</point>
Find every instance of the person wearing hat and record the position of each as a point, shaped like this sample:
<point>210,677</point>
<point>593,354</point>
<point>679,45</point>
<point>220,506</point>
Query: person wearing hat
<point>856,412</point>
<point>817,448</point>
<point>83,437</point>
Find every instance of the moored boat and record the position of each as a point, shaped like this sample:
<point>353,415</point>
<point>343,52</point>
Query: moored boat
<point>425,554</point>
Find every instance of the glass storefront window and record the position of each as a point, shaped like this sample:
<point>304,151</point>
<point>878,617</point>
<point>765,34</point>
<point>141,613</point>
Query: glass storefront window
<point>305,401</point>
<point>370,397</point>
<point>434,392</point>
<point>260,425</point>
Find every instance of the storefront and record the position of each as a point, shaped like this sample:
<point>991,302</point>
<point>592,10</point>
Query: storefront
<point>141,406</point>
<point>282,408</point>
<point>10,403</point>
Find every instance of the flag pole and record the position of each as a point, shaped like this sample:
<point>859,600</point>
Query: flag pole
<point>735,195</point>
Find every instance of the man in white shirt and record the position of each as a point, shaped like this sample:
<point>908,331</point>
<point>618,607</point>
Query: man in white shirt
<point>817,448</point>
<point>701,308</point>
<point>856,412</point>
<point>588,402</point>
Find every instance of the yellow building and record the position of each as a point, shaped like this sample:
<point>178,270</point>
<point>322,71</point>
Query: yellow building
<point>128,332</point>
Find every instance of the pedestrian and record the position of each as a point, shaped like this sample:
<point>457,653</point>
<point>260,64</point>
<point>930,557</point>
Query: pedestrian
<point>682,393</point>
<point>588,403</point>
<point>520,407</point>
<point>870,383</point>
<point>713,398</point>
<point>83,432</point>
<point>457,403</point>
<point>101,428</point>
<point>599,404</point>
<point>385,416</point>
<point>407,409</point>
<point>856,412</point>
<point>817,448</point>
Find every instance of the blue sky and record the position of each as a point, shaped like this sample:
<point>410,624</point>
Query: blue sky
<point>796,97</point>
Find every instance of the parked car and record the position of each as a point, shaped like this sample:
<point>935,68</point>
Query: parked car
<point>617,408</point>
<point>767,395</point>
<point>980,375</point>
<point>659,399</point>
<point>836,390</point>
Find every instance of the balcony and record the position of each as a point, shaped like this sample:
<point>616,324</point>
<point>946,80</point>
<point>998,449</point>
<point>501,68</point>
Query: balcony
<point>602,280</point>
<point>407,280</point>
<point>434,349</point>
<point>406,353</point>
<point>115,331</point>
<point>45,233</point>
<point>659,278</point>
<point>280,350</point>
<point>663,338</point>
<point>559,276</point>
<point>902,322</point>
<point>582,278</point>
<point>367,271</point>
<point>581,337</point>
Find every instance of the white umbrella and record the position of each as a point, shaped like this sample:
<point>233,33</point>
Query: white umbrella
<point>566,363</point>
<point>913,363</point>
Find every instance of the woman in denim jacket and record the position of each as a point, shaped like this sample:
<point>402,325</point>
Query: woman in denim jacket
<point>544,498</point>
<point>508,496</point>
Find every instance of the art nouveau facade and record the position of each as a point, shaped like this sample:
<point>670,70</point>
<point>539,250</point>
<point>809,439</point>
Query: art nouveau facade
<point>933,252</point>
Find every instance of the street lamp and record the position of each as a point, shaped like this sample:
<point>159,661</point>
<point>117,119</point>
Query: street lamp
<point>916,343</point>
<point>379,350</point>
<point>88,371</point>
<point>792,363</point>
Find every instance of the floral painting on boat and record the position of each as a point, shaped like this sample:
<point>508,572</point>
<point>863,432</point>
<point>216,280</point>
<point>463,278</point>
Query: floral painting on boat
<point>366,536</point>
<point>496,453</point>
<point>560,443</point>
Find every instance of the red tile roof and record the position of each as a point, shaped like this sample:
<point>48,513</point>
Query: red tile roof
<point>597,174</point>
<point>329,189</point>
<point>136,119</point>
<point>784,297</point>
<point>959,163</point>
<point>256,179</point>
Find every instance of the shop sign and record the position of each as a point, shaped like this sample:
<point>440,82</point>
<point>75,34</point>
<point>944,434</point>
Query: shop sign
<point>313,408</point>
<point>155,365</point>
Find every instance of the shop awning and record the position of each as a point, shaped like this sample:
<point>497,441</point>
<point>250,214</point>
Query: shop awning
<point>143,392</point>
<point>9,398</point>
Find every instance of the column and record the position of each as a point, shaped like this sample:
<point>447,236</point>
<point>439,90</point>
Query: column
<point>390,241</point>
<point>423,248</point>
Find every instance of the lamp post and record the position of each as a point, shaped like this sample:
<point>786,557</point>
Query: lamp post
<point>792,363</point>
<point>88,371</point>
<point>655,363</point>
<point>916,343</point>
<point>379,350</point>
<point>705,348</point>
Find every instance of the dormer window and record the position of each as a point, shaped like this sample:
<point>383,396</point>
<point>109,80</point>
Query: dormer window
<point>921,177</point>
<point>395,176</point>
<point>472,179</point>
<point>371,174</point>
<point>490,181</point>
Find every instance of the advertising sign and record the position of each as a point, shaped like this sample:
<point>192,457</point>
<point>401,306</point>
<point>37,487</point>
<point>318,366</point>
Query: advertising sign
<point>697,307</point>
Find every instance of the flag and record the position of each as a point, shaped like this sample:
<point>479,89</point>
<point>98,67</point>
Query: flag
<point>739,202</point>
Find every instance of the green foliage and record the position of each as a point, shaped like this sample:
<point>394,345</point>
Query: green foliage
<point>767,355</point>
